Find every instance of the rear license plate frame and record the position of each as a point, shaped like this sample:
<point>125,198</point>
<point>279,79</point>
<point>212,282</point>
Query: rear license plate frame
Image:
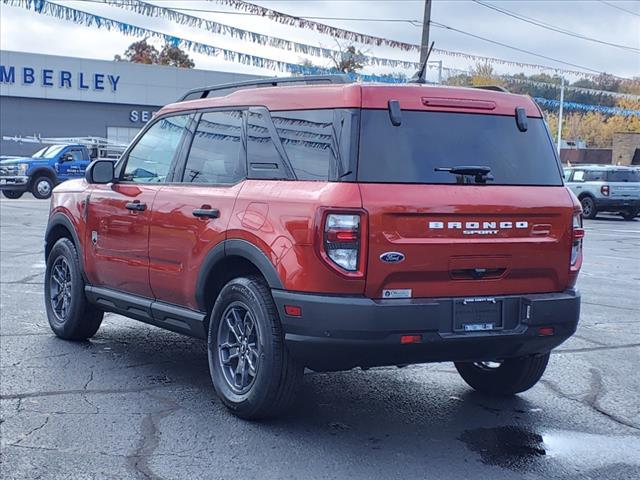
<point>474,315</point>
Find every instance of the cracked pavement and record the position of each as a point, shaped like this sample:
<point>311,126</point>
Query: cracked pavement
<point>136,402</point>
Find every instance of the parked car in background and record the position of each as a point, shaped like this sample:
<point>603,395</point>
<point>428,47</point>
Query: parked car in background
<point>62,159</point>
<point>42,171</point>
<point>606,188</point>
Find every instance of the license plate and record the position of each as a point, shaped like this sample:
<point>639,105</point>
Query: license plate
<point>478,327</point>
<point>477,314</point>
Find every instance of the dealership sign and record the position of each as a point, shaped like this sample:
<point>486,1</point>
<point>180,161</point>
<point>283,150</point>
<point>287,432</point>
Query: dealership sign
<point>46,77</point>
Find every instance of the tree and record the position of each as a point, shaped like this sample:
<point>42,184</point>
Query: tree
<point>348,60</point>
<point>175,57</point>
<point>143,52</point>
<point>139,52</point>
<point>483,74</point>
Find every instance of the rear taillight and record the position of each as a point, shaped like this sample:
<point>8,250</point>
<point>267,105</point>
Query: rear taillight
<point>604,189</point>
<point>342,240</point>
<point>577,235</point>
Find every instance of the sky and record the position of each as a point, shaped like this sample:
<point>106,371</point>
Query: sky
<point>614,21</point>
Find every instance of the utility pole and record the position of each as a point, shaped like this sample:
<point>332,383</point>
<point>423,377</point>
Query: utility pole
<point>424,44</point>
<point>560,114</point>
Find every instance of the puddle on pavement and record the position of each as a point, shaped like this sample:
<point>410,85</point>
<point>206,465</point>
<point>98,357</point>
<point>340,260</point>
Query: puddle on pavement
<point>521,449</point>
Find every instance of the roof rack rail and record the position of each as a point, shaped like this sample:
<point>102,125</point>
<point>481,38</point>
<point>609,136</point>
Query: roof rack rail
<point>495,88</point>
<point>203,92</point>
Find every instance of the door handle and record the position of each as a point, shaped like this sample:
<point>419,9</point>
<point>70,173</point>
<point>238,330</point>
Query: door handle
<point>206,213</point>
<point>136,206</point>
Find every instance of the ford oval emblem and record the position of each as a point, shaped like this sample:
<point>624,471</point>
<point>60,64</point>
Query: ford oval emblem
<point>392,257</point>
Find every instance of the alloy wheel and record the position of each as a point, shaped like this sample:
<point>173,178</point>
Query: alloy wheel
<point>43,187</point>
<point>239,348</point>
<point>60,288</point>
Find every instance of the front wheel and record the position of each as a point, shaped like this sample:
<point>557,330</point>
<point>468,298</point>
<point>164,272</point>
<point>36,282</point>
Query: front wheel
<point>588,208</point>
<point>13,194</point>
<point>511,376</point>
<point>251,369</point>
<point>630,214</point>
<point>42,187</point>
<point>69,313</point>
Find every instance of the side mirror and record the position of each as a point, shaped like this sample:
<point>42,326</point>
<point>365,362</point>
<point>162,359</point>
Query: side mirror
<point>100,171</point>
<point>67,157</point>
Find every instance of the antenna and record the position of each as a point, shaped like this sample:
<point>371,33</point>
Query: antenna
<point>420,75</point>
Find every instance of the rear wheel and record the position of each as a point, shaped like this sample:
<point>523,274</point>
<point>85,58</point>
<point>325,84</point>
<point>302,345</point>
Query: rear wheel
<point>42,187</point>
<point>588,207</point>
<point>630,214</point>
<point>13,194</point>
<point>251,369</point>
<point>69,313</point>
<point>511,376</point>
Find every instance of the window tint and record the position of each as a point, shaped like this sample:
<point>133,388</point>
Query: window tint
<point>411,152</point>
<point>595,176</point>
<point>214,156</point>
<point>150,159</point>
<point>307,138</point>
<point>264,160</point>
<point>623,176</point>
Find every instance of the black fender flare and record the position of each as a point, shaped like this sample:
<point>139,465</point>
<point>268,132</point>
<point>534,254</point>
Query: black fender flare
<point>235,248</point>
<point>60,219</point>
<point>40,171</point>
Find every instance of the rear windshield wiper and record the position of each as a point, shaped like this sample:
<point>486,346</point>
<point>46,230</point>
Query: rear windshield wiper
<point>482,174</point>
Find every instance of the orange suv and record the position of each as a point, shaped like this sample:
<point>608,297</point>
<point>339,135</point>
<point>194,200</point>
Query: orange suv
<point>313,222</point>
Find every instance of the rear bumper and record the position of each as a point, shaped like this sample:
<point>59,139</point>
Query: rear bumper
<point>338,332</point>
<point>616,204</point>
<point>18,183</point>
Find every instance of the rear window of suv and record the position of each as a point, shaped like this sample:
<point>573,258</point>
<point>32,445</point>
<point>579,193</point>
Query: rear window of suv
<point>410,152</point>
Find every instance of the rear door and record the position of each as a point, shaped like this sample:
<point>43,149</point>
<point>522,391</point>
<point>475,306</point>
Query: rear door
<point>190,216</point>
<point>438,234</point>
<point>624,184</point>
<point>119,213</point>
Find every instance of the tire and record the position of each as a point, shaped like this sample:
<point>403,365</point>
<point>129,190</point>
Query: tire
<point>588,207</point>
<point>13,194</point>
<point>630,214</point>
<point>513,375</point>
<point>42,187</point>
<point>271,389</point>
<point>69,313</point>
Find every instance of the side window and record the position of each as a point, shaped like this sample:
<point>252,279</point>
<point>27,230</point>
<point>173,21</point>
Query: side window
<point>150,159</point>
<point>262,155</point>
<point>77,155</point>
<point>215,154</point>
<point>594,176</point>
<point>578,176</point>
<point>308,139</point>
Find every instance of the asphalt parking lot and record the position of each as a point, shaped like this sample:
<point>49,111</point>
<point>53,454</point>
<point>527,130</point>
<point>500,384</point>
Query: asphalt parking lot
<point>136,402</point>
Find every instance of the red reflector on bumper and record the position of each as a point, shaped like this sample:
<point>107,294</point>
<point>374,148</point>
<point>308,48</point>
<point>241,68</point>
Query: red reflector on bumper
<point>410,339</point>
<point>546,331</point>
<point>293,311</point>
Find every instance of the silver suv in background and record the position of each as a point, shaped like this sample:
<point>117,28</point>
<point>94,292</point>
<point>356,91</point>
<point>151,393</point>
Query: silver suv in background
<point>605,188</point>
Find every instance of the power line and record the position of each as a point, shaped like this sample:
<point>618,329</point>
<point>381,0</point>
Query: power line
<point>620,8</point>
<point>441,25</point>
<point>554,28</point>
<point>274,15</point>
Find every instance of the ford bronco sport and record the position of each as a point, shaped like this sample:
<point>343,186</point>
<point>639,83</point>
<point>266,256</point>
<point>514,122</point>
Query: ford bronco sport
<point>329,225</point>
<point>606,188</point>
